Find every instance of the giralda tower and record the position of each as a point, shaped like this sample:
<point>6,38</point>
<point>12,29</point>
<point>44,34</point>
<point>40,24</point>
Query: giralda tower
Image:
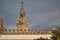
<point>22,22</point>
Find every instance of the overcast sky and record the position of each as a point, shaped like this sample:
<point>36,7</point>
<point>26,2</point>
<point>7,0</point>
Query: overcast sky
<point>39,12</point>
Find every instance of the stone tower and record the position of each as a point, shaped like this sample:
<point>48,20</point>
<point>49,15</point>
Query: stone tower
<point>2,29</point>
<point>1,23</point>
<point>22,22</point>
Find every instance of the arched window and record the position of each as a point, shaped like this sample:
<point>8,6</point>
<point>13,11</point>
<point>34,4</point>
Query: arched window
<point>20,29</point>
<point>21,22</point>
<point>24,29</point>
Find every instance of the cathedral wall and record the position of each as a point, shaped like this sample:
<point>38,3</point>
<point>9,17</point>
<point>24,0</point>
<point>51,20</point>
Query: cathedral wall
<point>21,31</point>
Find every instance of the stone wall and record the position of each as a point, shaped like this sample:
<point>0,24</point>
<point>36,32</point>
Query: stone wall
<point>21,31</point>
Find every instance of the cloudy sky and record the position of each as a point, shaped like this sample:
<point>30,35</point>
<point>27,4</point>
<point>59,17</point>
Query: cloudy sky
<point>40,13</point>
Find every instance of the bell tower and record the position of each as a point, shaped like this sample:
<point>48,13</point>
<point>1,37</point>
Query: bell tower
<point>22,11</point>
<point>22,22</point>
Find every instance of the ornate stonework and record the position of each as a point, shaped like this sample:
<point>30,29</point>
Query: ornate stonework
<point>21,26</point>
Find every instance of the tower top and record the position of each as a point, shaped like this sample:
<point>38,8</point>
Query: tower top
<point>22,11</point>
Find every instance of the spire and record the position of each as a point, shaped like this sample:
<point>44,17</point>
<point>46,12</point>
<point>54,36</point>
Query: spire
<point>22,11</point>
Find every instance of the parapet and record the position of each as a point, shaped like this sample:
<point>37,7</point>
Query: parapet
<point>26,32</point>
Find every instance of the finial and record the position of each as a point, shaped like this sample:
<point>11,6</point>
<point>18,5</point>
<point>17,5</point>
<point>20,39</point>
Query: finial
<point>22,2</point>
